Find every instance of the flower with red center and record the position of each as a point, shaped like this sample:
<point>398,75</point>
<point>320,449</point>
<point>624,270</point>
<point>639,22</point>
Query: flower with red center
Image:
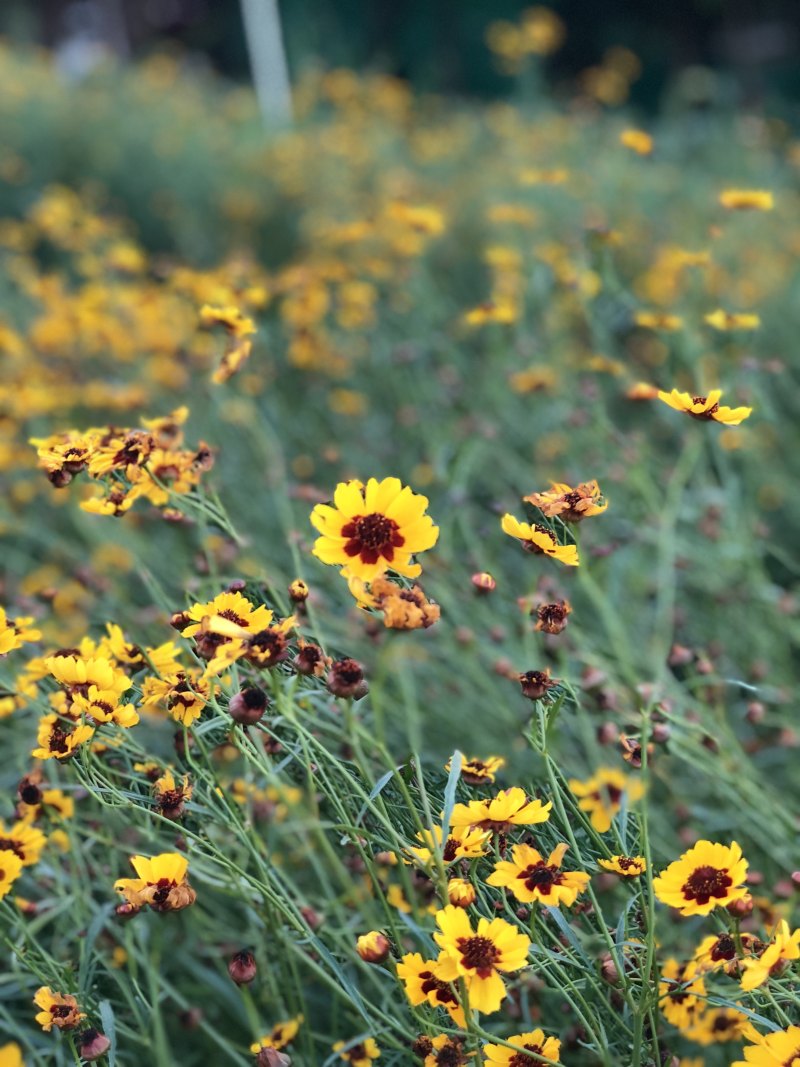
<point>601,795</point>
<point>568,504</point>
<point>779,1049</point>
<point>532,878</point>
<point>511,807</point>
<point>713,1026</point>
<point>552,618</point>
<point>57,738</point>
<point>476,771</point>
<point>534,1041</point>
<point>280,1035</point>
<point>10,869</point>
<point>57,1009</point>
<point>464,842</point>
<point>161,883</point>
<point>705,407</point>
<point>539,540</point>
<point>373,528</point>
<point>772,962</point>
<point>360,1054</point>
<point>682,993</point>
<point>423,987</point>
<point>479,956</point>
<point>707,876</point>
<point>627,866</point>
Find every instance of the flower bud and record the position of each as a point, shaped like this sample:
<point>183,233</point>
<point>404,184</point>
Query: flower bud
<point>536,683</point>
<point>461,892</point>
<point>242,967</point>
<point>373,947</point>
<point>740,909</point>
<point>29,791</point>
<point>608,969</point>
<point>483,583</point>
<point>92,1045</point>
<point>346,679</point>
<point>270,1057</point>
<point>248,706</point>
<point>298,591</point>
<point>755,712</point>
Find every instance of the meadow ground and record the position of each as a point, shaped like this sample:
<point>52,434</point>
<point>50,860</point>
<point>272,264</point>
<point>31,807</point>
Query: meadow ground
<point>544,811</point>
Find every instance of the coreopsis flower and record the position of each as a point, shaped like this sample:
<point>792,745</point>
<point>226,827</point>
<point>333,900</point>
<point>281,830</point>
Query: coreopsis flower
<point>10,869</point>
<point>62,456</point>
<point>102,705</point>
<point>534,1041</point>
<point>552,618</point>
<point>23,839</point>
<point>310,659</point>
<point>682,992</point>
<point>56,1009</point>
<point>14,633</point>
<point>373,947</point>
<point>658,320</point>
<point>77,674</point>
<point>779,1049</point>
<point>511,807</point>
<point>461,892</point>
<point>706,876</point>
<point>537,684</point>
<point>531,878</point>
<point>182,695</point>
<point>637,140</point>
<point>720,952</point>
<point>34,802</point>
<point>441,1050</point>
<point>476,771</point>
<point>539,540</point>
<point>11,1055</point>
<point>479,956</point>
<point>346,679</point>
<point>403,609</point>
<point>359,1055</point>
<point>58,738</point>
<point>373,528</point>
<point>705,407</point>
<point>161,884</point>
<point>627,866</point>
<point>747,199</point>
<point>568,504</point>
<point>785,946</point>
<point>712,1026</point>
<point>601,795</point>
<point>499,310</point>
<point>280,1035</point>
<point>226,618</point>
<point>463,842</point>
<point>238,328</point>
<point>423,986</point>
<point>729,320</point>
<point>171,796</point>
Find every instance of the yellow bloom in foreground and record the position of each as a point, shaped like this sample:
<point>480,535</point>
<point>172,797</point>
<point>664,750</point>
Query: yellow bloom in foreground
<point>423,987</point>
<point>706,876</point>
<point>539,540</point>
<point>10,868</point>
<point>373,528</point>
<point>638,141</point>
<point>705,407</point>
<point>464,842</point>
<point>511,807</point>
<point>747,199</point>
<point>24,840</point>
<point>360,1055</point>
<point>627,866</point>
<point>784,946</point>
<point>534,1041</point>
<point>681,993</point>
<point>57,1009</point>
<point>532,878</point>
<point>730,320</point>
<point>479,955</point>
<point>601,795</point>
<point>58,739</point>
<point>14,633</point>
<point>161,883</point>
<point>781,1049</point>
<point>713,1026</point>
<point>11,1055</point>
<point>279,1036</point>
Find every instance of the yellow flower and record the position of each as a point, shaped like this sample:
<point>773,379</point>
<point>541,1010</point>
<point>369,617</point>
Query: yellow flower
<point>705,407</point>
<point>637,140</point>
<point>658,320</point>
<point>533,1041</point>
<point>10,868</point>
<point>231,607</point>
<point>373,528</point>
<point>747,199</point>
<point>422,986</point>
<point>500,310</point>
<point>730,320</point>
<point>476,771</point>
<point>511,807</point>
<point>627,866</point>
<point>706,876</point>
<point>539,540</point>
<point>478,956</point>
<point>532,878</point>
<point>101,705</point>
<point>161,884</point>
<point>568,504</point>
<point>779,1049</point>
<point>11,1055</point>
<point>58,739</point>
<point>601,795</point>
<point>461,892</point>
<point>359,1055</point>
<point>183,695</point>
<point>784,946</point>
<point>23,839</point>
<point>713,1026</point>
<point>464,842</point>
<point>280,1035</point>
<point>14,633</point>
<point>682,991</point>
<point>57,1009</point>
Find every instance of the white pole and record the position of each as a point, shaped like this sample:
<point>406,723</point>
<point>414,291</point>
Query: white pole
<point>262,24</point>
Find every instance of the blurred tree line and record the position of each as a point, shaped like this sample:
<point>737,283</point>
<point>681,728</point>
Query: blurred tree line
<point>440,44</point>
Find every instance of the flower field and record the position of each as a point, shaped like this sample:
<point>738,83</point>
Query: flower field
<point>399,601</point>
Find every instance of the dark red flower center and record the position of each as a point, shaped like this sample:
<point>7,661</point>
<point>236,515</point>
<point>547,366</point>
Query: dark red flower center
<point>703,414</point>
<point>430,984</point>
<point>707,882</point>
<point>58,739</point>
<point>372,536</point>
<point>519,1059</point>
<point>541,876</point>
<point>724,949</point>
<point>478,954</point>
<point>231,615</point>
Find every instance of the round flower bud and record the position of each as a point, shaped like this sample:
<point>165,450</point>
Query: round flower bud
<point>298,591</point>
<point>373,947</point>
<point>248,706</point>
<point>483,582</point>
<point>242,967</point>
<point>461,892</point>
<point>346,679</point>
<point>270,1057</point>
<point>93,1045</point>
